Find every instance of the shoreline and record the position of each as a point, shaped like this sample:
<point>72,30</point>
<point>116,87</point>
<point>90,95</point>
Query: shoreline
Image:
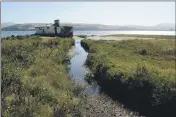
<point>96,32</point>
<point>126,37</point>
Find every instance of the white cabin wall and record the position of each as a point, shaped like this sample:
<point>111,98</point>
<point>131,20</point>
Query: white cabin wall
<point>39,31</point>
<point>49,30</point>
<point>58,29</point>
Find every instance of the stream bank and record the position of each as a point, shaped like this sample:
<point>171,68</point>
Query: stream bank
<point>127,72</point>
<point>97,104</point>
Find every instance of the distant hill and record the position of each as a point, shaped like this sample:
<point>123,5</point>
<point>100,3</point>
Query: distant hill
<point>7,24</point>
<point>168,26</point>
<point>81,26</point>
<point>19,27</point>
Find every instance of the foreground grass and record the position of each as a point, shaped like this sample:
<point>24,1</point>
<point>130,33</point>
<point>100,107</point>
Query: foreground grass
<point>34,78</point>
<point>141,73</point>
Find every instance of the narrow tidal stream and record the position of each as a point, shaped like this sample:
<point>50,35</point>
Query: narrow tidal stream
<point>98,104</point>
<point>78,70</point>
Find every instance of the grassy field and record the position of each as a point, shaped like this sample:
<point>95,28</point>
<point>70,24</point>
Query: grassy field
<point>34,80</point>
<point>143,36</point>
<point>140,73</point>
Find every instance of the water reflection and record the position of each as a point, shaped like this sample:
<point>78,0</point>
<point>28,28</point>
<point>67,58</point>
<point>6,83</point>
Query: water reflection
<point>77,70</point>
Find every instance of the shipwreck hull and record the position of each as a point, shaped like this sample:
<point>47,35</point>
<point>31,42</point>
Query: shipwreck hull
<point>69,34</point>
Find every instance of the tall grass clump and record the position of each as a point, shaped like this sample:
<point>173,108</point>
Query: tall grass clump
<point>140,73</point>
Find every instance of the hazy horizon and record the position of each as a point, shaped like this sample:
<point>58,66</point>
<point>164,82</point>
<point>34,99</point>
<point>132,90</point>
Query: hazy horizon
<point>103,13</point>
<point>88,23</point>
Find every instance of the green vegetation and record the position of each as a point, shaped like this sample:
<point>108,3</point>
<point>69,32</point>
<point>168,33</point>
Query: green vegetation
<point>34,78</point>
<point>144,36</point>
<point>82,36</point>
<point>140,73</point>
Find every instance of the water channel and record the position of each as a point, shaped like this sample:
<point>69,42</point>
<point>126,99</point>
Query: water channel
<point>78,70</point>
<point>77,73</point>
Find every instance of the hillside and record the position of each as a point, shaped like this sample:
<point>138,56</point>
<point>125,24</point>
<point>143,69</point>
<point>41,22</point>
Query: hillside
<point>3,25</point>
<point>81,26</point>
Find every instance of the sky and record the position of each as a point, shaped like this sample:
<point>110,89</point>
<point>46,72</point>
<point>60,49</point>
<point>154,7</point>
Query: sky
<point>108,13</point>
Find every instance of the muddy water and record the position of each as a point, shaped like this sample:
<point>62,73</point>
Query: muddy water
<point>78,70</point>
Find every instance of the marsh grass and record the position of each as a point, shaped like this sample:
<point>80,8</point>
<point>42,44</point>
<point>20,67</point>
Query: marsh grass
<point>140,73</point>
<point>34,78</point>
<point>82,36</point>
<point>144,36</point>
